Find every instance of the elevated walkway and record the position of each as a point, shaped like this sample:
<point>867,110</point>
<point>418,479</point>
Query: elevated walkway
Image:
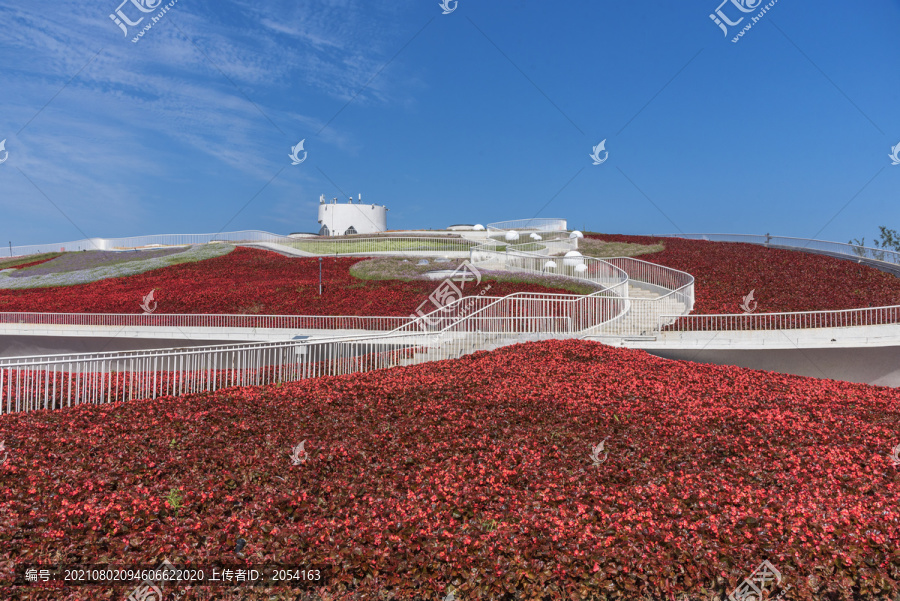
<point>176,332</point>
<point>641,316</point>
<point>800,338</point>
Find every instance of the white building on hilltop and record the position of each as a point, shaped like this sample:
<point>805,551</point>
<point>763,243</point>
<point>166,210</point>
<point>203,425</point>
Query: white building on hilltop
<point>351,218</point>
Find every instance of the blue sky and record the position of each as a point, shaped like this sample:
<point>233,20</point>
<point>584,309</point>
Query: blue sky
<point>484,114</point>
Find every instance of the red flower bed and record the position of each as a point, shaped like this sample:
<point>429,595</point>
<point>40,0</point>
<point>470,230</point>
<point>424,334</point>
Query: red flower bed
<point>245,281</point>
<point>31,264</point>
<point>475,474</point>
<point>783,280</point>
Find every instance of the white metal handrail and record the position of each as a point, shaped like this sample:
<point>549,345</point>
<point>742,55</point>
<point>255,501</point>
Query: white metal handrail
<point>841,318</point>
<point>314,245</point>
<point>186,320</point>
<point>632,316</point>
<point>609,311</point>
<point>599,272</point>
<point>549,244</point>
<point>132,242</point>
<point>595,270</point>
<point>51,382</point>
<point>546,224</point>
<point>679,285</point>
<point>29,383</point>
<point>464,326</point>
<point>851,251</point>
<point>61,380</point>
<point>676,288</point>
<point>522,312</point>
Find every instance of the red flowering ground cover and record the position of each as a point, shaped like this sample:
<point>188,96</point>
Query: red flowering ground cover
<point>783,280</point>
<point>13,264</point>
<point>474,475</point>
<point>245,281</point>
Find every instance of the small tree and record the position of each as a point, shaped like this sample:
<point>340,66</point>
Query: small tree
<point>888,240</point>
<point>859,246</point>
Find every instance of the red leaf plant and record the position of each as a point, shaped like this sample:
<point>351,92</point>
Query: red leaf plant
<point>246,281</point>
<point>783,280</point>
<point>475,475</point>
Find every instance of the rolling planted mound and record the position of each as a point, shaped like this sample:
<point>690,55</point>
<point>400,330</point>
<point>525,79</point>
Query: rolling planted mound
<point>250,281</point>
<point>783,280</point>
<point>477,476</point>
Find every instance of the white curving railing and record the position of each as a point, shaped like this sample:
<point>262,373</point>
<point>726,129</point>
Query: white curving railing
<point>548,246</point>
<point>851,251</point>
<point>132,242</point>
<point>643,316</point>
<point>789,320</point>
<point>844,318</point>
<point>462,327</point>
<point>314,245</point>
<point>540,224</point>
<point>466,325</point>
<point>533,257</point>
<point>633,315</point>
<point>183,320</point>
<point>667,282</point>
<point>30,383</point>
<point>523,313</point>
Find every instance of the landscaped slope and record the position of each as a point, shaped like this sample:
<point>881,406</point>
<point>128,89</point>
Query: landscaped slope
<point>476,475</point>
<point>86,267</point>
<point>249,281</point>
<point>27,261</point>
<point>783,280</point>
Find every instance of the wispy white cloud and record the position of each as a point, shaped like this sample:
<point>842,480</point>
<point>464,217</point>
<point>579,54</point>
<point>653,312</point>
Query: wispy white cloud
<point>118,121</point>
